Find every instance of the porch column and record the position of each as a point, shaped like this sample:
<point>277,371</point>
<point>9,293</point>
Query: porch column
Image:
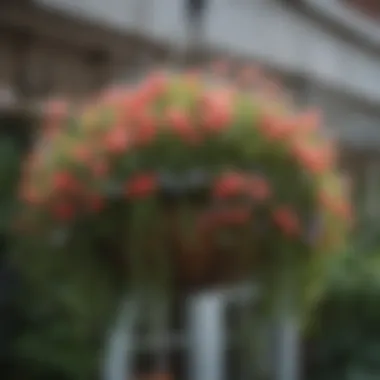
<point>207,337</point>
<point>287,348</point>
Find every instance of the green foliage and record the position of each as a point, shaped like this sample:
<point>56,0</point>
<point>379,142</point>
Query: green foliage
<point>66,326</point>
<point>68,309</point>
<point>9,174</point>
<point>102,181</point>
<point>347,340</point>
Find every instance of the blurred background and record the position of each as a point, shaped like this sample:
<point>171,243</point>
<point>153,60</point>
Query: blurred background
<point>326,53</point>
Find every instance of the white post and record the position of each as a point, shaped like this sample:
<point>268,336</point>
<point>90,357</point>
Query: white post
<point>207,337</point>
<point>287,348</point>
<point>287,322</point>
<point>118,360</point>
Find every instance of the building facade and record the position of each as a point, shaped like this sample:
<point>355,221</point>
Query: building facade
<point>49,52</point>
<point>327,51</point>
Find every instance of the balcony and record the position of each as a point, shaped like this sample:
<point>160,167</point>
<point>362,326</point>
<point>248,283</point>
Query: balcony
<point>348,16</point>
<point>266,30</point>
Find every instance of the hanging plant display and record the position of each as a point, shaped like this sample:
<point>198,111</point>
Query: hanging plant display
<point>180,179</point>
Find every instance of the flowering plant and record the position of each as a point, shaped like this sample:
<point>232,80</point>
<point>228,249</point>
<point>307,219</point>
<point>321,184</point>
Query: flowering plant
<point>216,176</point>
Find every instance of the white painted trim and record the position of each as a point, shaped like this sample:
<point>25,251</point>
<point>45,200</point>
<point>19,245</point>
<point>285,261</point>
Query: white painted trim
<point>118,359</point>
<point>207,337</point>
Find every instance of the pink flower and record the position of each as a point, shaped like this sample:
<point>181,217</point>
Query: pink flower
<point>180,123</point>
<point>141,186</point>
<point>229,185</point>
<point>117,140</point>
<point>287,220</point>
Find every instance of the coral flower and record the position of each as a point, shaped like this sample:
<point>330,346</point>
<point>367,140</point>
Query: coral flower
<point>217,111</point>
<point>64,182</point>
<point>258,189</point>
<point>314,159</point>
<point>139,101</point>
<point>63,211</point>
<point>216,119</point>
<point>181,124</point>
<point>146,131</point>
<point>275,127</point>
<point>141,186</point>
<point>229,185</point>
<point>286,219</point>
<point>117,140</point>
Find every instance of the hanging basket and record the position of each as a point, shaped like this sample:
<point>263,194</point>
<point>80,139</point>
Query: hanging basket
<point>203,182</point>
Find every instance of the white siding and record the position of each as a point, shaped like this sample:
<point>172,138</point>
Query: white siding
<point>263,29</point>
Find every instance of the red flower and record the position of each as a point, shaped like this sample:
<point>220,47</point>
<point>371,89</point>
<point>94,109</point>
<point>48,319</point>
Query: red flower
<point>217,111</point>
<point>63,211</point>
<point>138,103</point>
<point>65,182</point>
<point>314,159</point>
<point>117,140</point>
<point>141,186</point>
<point>156,85</point>
<point>276,128</point>
<point>258,188</point>
<point>181,124</point>
<point>229,185</point>
<point>99,168</point>
<point>146,130</point>
<point>216,119</point>
<point>286,219</point>
<point>96,203</point>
